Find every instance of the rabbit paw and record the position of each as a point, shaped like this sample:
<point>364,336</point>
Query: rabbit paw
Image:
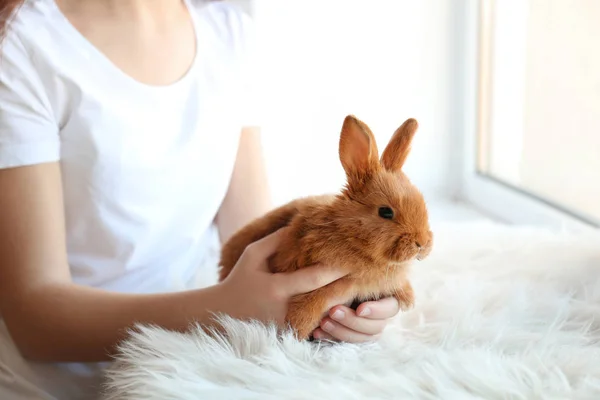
<point>306,311</point>
<point>304,315</point>
<point>405,296</point>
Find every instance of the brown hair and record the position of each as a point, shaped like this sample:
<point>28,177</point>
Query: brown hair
<point>7,10</point>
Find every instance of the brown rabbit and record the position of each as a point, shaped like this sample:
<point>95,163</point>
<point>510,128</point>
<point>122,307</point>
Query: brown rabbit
<point>374,228</point>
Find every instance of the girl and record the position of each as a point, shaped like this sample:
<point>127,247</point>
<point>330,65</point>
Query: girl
<point>128,137</point>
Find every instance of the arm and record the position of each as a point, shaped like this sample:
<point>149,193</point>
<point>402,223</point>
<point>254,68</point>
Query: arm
<point>49,317</point>
<point>248,195</point>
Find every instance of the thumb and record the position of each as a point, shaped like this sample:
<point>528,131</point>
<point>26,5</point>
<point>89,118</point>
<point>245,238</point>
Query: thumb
<point>310,278</point>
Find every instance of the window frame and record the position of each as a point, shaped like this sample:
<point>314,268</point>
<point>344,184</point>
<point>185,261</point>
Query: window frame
<point>494,197</point>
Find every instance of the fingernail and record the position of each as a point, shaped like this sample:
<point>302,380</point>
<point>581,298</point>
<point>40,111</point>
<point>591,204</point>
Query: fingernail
<point>338,314</point>
<point>328,326</point>
<point>365,311</point>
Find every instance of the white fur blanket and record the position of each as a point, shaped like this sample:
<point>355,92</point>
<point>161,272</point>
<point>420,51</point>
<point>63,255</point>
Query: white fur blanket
<point>501,312</point>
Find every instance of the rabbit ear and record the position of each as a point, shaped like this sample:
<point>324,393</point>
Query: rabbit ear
<point>358,150</point>
<point>397,150</point>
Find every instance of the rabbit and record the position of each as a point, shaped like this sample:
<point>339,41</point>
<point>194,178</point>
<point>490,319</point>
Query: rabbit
<point>374,228</point>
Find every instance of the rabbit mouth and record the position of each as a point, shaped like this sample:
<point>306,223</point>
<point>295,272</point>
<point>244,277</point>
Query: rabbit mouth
<point>423,252</point>
<point>399,257</point>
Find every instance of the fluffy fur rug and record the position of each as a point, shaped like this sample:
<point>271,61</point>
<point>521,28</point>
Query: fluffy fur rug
<point>501,312</point>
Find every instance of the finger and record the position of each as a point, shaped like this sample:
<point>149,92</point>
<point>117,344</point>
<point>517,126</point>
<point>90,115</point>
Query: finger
<point>263,248</point>
<point>311,278</point>
<point>382,309</point>
<point>344,334</point>
<point>347,317</point>
<point>320,334</point>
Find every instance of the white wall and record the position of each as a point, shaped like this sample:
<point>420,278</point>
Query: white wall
<point>383,61</point>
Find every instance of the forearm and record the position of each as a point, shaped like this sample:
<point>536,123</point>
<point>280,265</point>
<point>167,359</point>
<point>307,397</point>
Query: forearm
<point>71,323</point>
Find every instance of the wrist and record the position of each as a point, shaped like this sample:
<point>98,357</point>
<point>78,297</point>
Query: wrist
<point>212,301</point>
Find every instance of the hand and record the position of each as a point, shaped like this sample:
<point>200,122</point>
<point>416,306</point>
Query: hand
<point>363,325</point>
<point>252,291</point>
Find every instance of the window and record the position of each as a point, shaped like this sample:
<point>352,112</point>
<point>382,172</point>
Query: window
<point>538,102</point>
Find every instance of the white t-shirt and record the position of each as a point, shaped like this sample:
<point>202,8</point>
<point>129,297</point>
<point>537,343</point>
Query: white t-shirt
<point>144,168</point>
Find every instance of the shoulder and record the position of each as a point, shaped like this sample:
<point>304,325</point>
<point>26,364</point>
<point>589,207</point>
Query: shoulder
<point>30,20</point>
<point>19,65</point>
<point>28,127</point>
<point>27,32</point>
<point>222,13</point>
<point>227,21</point>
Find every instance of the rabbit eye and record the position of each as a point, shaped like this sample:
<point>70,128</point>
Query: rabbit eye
<point>386,212</point>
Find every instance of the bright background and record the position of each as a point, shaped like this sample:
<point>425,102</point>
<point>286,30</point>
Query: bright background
<point>507,94</point>
<point>383,61</point>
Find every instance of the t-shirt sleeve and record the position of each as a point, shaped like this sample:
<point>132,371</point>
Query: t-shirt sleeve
<point>28,130</point>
